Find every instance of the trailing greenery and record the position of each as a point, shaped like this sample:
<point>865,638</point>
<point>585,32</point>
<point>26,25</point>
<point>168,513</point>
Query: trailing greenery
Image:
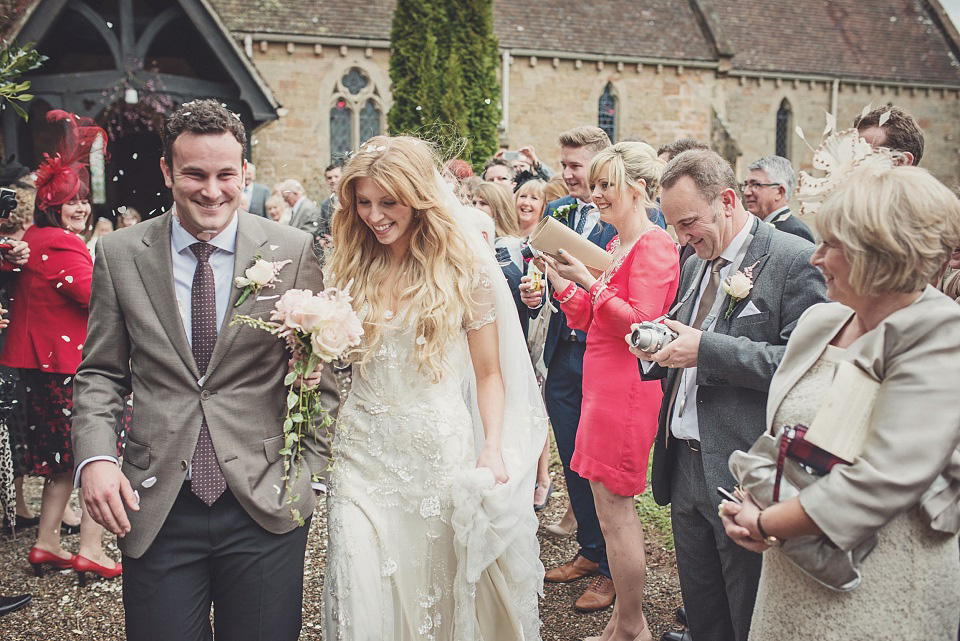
<point>14,62</point>
<point>443,67</point>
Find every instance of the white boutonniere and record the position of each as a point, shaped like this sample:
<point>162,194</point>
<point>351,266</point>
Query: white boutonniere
<point>262,273</point>
<point>738,286</point>
<point>562,213</point>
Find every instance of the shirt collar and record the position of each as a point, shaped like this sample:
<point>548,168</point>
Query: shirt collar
<point>225,240</point>
<point>730,253</point>
<point>774,214</point>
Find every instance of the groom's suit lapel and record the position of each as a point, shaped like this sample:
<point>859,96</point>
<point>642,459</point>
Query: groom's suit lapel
<point>250,239</point>
<point>155,265</point>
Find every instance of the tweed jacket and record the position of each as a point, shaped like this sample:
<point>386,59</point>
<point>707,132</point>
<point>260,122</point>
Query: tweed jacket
<point>911,455</point>
<point>136,341</point>
<point>738,358</point>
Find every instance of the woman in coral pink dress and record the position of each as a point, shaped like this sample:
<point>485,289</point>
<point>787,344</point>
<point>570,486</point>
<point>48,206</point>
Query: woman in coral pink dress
<point>618,421</point>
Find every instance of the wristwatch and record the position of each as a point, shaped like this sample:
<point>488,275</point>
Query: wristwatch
<point>772,541</point>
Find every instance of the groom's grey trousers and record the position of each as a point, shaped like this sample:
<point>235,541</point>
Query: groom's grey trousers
<point>215,555</point>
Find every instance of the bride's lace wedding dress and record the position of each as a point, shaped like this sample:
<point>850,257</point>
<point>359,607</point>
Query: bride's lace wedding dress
<point>423,546</point>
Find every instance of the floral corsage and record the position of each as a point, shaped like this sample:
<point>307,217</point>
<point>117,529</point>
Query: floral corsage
<point>262,273</point>
<point>738,286</point>
<point>562,213</point>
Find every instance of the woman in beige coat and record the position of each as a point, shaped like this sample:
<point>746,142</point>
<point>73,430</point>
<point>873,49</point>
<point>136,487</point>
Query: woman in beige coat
<point>885,234</point>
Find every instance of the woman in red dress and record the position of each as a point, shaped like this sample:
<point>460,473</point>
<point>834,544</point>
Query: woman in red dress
<point>618,420</point>
<point>48,326</point>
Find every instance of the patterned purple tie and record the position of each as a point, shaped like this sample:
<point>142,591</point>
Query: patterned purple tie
<point>207,480</point>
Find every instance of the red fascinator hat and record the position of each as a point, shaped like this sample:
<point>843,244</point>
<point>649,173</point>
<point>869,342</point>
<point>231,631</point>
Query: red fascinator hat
<point>64,176</point>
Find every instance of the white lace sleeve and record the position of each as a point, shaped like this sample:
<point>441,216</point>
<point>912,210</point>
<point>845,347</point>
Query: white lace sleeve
<point>481,309</point>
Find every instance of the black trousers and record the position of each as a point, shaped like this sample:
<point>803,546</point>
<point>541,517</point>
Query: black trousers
<point>217,556</point>
<point>564,395</point>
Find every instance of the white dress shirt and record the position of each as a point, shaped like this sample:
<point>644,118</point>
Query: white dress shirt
<point>593,217</point>
<point>687,426</point>
<point>185,264</point>
<point>772,215</point>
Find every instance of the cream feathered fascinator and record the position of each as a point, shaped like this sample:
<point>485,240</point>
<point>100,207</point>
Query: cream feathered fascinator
<point>839,155</point>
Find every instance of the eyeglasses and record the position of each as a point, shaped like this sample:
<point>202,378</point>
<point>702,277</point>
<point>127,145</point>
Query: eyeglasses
<point>752,184</point>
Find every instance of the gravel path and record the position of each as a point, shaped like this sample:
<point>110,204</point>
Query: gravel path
<point>61,611</point>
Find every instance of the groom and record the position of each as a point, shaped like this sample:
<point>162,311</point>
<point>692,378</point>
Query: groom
<point>198,502</point>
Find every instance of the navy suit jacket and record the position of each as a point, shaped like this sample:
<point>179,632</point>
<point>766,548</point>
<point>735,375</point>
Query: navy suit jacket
<point>601,235</point>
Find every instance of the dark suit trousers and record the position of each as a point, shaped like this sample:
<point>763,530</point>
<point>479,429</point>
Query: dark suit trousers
<point>218,555</point>
<point>718,578</point>
<point>563,394</point>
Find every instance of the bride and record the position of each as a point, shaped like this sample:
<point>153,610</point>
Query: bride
<point>431,535</point>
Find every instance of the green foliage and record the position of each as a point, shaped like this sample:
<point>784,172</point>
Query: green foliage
<point>14,62</point>
<point>443,66</point>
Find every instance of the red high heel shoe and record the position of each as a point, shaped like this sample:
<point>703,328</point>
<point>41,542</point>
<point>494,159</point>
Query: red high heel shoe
<point>38,558</point>
<point>82,565</point>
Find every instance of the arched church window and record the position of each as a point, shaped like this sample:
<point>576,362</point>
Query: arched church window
<point>607,112</point>
<point>784,118</point>
<point>356,112</point>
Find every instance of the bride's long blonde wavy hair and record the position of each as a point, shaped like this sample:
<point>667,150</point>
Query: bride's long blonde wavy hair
<point>438,263</point>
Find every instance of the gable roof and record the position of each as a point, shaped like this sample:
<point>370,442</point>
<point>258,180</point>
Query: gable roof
<point>899,41</point>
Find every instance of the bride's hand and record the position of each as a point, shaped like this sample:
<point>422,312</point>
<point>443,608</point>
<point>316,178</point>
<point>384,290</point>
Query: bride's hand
<point>492,459</point>
<point>309,382</point>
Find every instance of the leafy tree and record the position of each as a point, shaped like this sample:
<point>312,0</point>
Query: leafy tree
<point>14,62</point>
<point>443,67</point>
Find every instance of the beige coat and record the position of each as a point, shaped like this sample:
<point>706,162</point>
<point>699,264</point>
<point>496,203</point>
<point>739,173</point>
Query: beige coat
<point>911,456</point>
<point>136,341</point>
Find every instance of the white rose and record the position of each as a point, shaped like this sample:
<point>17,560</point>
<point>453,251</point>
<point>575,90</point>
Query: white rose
<point>260,273</point>
<point>241,281</point>
<point>737,286</point>
<point>329,342</point>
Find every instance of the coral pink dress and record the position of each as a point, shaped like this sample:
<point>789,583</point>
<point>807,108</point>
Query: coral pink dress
<point>618,419</point>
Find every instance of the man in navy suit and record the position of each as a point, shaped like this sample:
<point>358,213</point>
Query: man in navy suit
<point>563,356</point>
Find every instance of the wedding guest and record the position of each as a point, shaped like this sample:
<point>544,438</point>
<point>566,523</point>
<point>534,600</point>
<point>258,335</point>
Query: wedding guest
<point>101,227</point>
<point>716,373</point>
<point>498,170</point>
<point>527,161</point>
<point>48,325</point>
<point>899,132</point>
<point>529,204</point>
<point>563,355</point>
<point>496,201</point>
<point>423,540</point>
<point>885,232</point>
<point>618,420</point>
<point>128,217</point>
<point>277,210</point>
<point>667,152</point>
<point>197,503</point>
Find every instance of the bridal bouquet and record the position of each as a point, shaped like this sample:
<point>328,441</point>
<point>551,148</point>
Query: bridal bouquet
<point>316,328</point>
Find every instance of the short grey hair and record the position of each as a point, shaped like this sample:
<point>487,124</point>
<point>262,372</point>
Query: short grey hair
<point>708,170</point>
<point>292,185</point>
<point>779,170</point>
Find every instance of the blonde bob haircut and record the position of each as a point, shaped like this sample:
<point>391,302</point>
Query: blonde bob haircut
<point>502,205</point>
<point>896,227</point>
<point>627,164</point>
<point>437,269</point>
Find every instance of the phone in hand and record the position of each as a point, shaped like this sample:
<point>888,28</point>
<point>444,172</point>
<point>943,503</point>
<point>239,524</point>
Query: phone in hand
<point>727,495</point>
<point>511,155</point>
<point>5,247</point>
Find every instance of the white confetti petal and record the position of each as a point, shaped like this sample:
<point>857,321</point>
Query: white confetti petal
<point>44,257</point>
<point>150,482</point>
<point>69,279</point>
<point>59,285</point>
<point>109,25</point>
<point>273,247</point>
<point>66,412</point>
<point>123,208</point>
<point>884,118</point>
<point>66,338</point>
<point>67,380</point>
<point>135,155</point>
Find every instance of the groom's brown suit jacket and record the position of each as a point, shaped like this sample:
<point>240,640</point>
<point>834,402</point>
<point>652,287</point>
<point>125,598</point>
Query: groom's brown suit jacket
<point>136,341</point>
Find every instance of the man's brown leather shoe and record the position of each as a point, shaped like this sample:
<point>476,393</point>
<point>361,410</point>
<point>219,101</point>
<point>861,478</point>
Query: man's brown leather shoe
<point>599,595</point>
<point>578,568</point>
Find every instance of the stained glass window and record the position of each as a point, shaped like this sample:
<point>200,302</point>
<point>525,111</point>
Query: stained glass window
<point>784,115</point>
<point>607,112</point>
<point>369,121</point>
<point>341,141</point>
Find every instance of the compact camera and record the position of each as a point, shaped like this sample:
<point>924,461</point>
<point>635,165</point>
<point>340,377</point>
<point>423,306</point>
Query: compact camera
<point>528,252</point>
<point>8,202</point>
<point>651,337</point>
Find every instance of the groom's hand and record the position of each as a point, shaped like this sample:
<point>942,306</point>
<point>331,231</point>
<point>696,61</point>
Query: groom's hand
<point>104,489</point>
